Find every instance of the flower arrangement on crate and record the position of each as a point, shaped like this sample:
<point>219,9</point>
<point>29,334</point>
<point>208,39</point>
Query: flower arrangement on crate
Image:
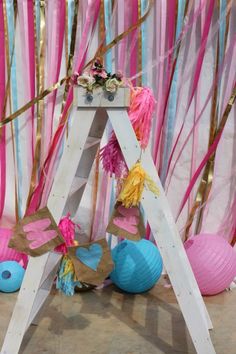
<point>98,77</point>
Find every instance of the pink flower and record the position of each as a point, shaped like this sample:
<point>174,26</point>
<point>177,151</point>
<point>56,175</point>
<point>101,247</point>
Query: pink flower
<point>119,75</point>
<point>98,69</point>
<point>99,72</point>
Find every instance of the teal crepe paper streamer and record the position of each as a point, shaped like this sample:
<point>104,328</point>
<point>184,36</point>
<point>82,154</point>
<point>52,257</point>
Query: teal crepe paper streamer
<point>11,35</point>
<point>144,42</point>
<point>171,112</point>
<point>222,29</point>
<point>37,15</point>
<point>71,8</point>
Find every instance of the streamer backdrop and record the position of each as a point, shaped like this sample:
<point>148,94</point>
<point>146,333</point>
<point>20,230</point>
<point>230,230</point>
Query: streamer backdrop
<point>190,68</point>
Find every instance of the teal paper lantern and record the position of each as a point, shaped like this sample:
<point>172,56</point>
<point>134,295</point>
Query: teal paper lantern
<point>11,276</point>
<point>137,266</point>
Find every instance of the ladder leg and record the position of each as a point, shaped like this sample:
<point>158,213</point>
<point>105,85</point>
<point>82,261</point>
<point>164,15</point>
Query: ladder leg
<point>41,270</point>
<point>31,297</point>
<point>177,266</point>
<point>167,237</point>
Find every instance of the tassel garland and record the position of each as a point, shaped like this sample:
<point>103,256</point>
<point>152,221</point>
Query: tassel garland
<point>132,190</point>
<point>140,114</point>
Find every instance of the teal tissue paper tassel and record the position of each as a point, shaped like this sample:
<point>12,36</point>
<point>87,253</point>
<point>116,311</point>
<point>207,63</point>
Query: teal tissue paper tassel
<point>66,278</point>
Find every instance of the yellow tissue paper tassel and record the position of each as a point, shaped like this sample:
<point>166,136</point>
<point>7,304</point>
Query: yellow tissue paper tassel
<point>133,186</point>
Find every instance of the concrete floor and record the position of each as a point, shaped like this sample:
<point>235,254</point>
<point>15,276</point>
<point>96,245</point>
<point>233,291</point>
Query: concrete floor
<point>110,322</point>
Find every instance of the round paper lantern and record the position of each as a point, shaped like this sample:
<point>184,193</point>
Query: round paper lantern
<point>9,254</point>
<point>137,265</point>
<point>11,276</point>
<point>213,261</point>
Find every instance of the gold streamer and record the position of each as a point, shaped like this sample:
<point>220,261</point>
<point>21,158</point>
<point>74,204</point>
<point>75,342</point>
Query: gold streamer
<point>101,51</point>
<point>40,87</point>
<point>33,101</point>
<point>96,176</point>
<point>72,51</point>
<point>208,167</point>
<point>101,22</point>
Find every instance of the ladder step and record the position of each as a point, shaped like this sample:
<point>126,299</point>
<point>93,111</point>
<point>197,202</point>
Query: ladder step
<point>52,263</point>
<point>39,301</point>
<point>91,141</point>
<point>77,184</point>
<point>75,195</point>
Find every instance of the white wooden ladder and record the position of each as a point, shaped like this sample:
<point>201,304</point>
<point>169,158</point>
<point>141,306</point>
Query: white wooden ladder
<point>87,126</point>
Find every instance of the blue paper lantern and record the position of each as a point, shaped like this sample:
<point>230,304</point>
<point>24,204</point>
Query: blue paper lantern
<point>137,265</point>
<point>11,276</point>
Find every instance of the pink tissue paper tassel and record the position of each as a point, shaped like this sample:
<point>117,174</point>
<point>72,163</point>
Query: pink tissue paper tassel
<point>140,114</point>
<point>67,228</point>
<point>112,158</point>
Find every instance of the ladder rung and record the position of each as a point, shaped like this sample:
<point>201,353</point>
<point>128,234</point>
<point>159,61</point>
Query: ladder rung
<point>42,295</point>
<point>77,183</point>
<point>52,263</point>
<point>91,141</point>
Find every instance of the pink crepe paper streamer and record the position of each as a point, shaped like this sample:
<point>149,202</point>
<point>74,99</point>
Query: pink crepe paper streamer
<point>209,153</point>
<point>26,27</point>
<point>46,177</point>
<point>67,228</point>
<point>191,21</point>
<point>162,99</point>
<point>206,29</point>
<point>134,52</point>
<point>197,72</point>
<point>3,130</point>
<point>171,10</point>
<point>160,78</point>
<point>55,20</point>
<point>122,24</point>
<point>221,69</point>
